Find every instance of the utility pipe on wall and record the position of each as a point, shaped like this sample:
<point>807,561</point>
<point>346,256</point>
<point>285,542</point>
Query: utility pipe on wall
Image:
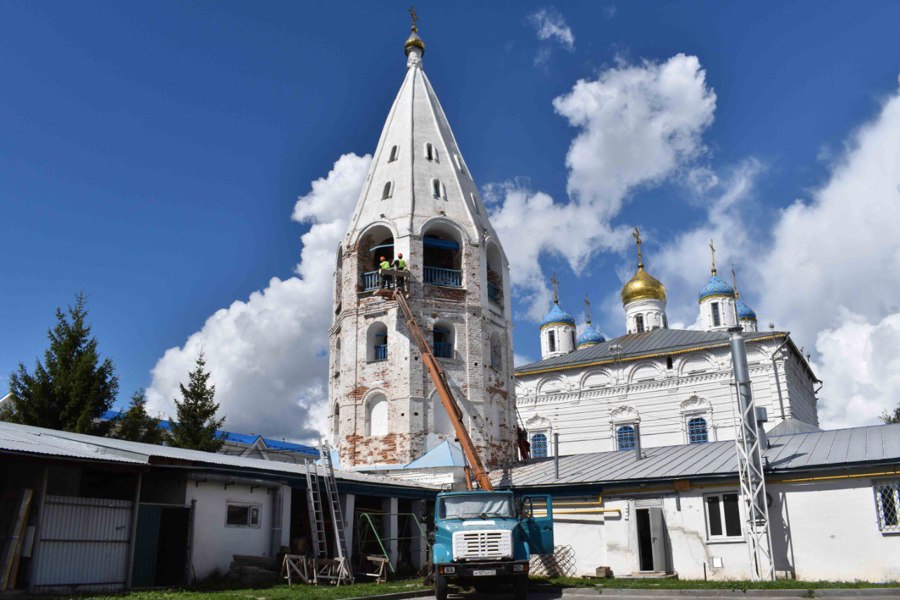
<point>556,454</point>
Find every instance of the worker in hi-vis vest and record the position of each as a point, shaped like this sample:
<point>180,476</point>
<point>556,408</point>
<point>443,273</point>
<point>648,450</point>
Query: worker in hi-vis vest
<point>386,280</point>
<point>399,264</point>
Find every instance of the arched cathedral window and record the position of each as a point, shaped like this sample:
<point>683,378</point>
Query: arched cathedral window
<point>377,416</point>
<point>388,190</point>
<point>625,437</point>
<point>395,151</point>
<point>539,445</point>
<point>551,340</point>
<point>639,323</point>
<point>697,431</point>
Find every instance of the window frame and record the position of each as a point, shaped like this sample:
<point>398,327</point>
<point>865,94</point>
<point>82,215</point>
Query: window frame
<point>723,522</point>
<point>253,514</point>
<point>459,163</point>
<point>639,326</point>
<point>546,442</point>
<point>551,341</point>
<point>618,431</point>
<point>394,154</point>
<point>438,190</point>
<point>878,488</point>
<point>687,428</point>
<point>431,153</point>
<point>716,314</point>
<point>387,191</point>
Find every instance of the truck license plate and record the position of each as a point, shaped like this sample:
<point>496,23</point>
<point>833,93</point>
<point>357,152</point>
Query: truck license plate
<point>484,572</point>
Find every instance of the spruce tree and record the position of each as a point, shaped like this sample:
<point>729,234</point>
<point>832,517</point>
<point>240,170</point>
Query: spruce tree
<point>136,425</point>
<point>72,388</point>
<point>196,421</point>
<point>894,417</point>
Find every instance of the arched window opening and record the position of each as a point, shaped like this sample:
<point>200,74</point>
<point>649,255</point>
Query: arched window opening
<point>716,317</point>
<point>395,151</point>
<point>496,352</point>
<point>551,341</point>
<point>442,423</point>
<point>377,417</point>
<point>574,342</point>
<point>337,355</point>
<point>430,152</point>
<point>377,342</point>
<point>539,445</point>
<point>639,323</point>
<point>669,364</point>
<point>442,335</point>
<point>336,422</point>
<point>442,256</point>
<point>625,437</point>
<point>438,190</point>
<point>459,164</point>
<point>375,243</point>
<point>388,190</point>
<point>697,431</point>
<point>494,275</point>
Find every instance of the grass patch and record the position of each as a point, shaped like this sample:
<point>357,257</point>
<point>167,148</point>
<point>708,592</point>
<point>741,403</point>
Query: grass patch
<point>680,584</point>
<point>284,592</point>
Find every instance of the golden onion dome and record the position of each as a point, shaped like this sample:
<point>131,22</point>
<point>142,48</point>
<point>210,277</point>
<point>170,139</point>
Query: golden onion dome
<point>414,41</point>
<point>642,286</point>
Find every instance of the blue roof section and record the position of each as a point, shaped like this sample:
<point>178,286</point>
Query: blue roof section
<point>744,311</point>
<point>589,336</point>
<point>557,315</point>
<point>716,286</point>
<point>230,436</point>
<point>445,454</point>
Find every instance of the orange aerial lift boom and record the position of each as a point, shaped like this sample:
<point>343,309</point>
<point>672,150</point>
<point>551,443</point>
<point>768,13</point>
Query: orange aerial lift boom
<point>443,389</point>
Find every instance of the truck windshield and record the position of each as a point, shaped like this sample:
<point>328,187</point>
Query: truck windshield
<point>476,506</point>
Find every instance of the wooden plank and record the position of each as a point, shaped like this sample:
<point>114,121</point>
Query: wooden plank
<point>15,506</point>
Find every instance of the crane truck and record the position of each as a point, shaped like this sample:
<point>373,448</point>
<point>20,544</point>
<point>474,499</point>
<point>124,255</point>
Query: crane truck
<point>483,537</point>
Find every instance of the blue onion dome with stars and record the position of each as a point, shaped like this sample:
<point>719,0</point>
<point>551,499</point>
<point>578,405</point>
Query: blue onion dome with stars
<point>744,312</point>
<point>557,315</point>
<point>589,337</point>
<point>716,286</point>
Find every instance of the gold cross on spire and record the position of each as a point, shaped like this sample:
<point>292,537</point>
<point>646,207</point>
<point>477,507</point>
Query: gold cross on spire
<point>415,18</point>
<point>555,283</point>
<point>637,240</point>
<point>587,308</point>
<point>712,251</point>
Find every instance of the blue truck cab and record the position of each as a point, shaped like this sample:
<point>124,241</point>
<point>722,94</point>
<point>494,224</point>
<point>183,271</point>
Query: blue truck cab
<point>486,538</point>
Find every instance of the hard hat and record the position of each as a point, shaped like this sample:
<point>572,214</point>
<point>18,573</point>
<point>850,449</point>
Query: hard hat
<point>400,255</point>
<point>382,258</point>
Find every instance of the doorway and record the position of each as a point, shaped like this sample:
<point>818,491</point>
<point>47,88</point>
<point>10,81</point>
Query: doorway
<point>161,546</point>
<point>651,536</point>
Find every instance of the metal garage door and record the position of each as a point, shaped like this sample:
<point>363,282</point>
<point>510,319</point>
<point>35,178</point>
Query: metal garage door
<point>84,544</point>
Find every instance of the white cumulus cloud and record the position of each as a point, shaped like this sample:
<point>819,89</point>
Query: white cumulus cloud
<point>551,26</point>
<point>267,355</point>
<point>636,125</point>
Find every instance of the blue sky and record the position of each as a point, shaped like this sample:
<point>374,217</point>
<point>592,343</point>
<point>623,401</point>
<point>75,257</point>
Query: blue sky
<point>151,154</point>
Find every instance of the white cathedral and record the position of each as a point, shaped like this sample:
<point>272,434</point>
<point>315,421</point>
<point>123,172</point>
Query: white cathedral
<point>652,386</point>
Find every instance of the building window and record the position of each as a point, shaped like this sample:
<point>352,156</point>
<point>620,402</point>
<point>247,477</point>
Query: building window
<point>443,341</point>
<point>459,163</point>
<point>639,323</point>
<point>438,190</point>
<point>723,517</point>
<point>697,433</point>
<point>377,342</point>
<point>625,437</point>
<point>669,362</point>
<point>475,203</point>
<point>496,352</point>
<point>551,341</point>
<point>430,152</point>
<point>388,190</point>
<point>887,505</point>
<point>539,445</point>
<point>378,416</point>
<point>394,152</point>
<point>717,319</point>
<point>242,515</point>
<point>336,422</point>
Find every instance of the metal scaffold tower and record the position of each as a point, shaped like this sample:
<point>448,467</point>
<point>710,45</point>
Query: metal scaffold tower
<point>749,442</point>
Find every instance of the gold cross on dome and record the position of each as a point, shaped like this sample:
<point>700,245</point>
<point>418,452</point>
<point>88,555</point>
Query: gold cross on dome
<point>712,251</point>
<point>415,18</point>
<point>555,283</point>
<point>587,308</point>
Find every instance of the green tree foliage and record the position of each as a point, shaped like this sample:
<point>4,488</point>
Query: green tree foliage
<point>891,417</point>
<point>136,425</point>
<point>72,388</point>
<point>197,424</point>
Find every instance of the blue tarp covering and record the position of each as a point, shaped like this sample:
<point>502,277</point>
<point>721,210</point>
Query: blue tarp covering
<point>433,242</point>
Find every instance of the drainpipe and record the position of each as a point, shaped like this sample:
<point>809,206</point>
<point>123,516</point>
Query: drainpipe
<point>637,441</point>
<point>556,453</point>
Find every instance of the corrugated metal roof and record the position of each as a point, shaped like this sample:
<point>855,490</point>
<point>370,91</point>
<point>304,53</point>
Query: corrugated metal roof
<point>817,449</point>
<point>37,440</point>
<point>640,344</point>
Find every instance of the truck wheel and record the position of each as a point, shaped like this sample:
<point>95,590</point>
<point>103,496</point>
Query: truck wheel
<point>520,588</point>
<point>440,587</point>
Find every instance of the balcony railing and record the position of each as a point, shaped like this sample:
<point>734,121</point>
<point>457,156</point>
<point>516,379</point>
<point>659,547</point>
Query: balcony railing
<point>443,277</point>
<point>371,281</point>
<point>443,349</point>
<point>494,294</point>
<point>380,352</point>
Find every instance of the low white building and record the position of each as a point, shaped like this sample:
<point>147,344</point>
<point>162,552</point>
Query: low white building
<point>833,507</point>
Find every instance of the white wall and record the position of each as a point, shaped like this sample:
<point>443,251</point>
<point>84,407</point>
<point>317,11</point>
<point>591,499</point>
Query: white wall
<point>214,543</point>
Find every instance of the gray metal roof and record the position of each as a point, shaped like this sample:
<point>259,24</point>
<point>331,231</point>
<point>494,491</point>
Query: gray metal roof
<point>656,341</point>
<point>819,449</point>
<point>37,440</point>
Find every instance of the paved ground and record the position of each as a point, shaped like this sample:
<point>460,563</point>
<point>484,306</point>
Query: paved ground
<point>625,594</point>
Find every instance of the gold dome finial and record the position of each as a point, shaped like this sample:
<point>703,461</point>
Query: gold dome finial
<point>642,286</point>
<point>414,41</point>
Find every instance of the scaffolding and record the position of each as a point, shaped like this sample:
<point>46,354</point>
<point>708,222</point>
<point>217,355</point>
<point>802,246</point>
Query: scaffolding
<point>409,528</point>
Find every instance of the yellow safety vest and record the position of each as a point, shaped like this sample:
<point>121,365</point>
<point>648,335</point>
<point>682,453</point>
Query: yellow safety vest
<point>401,264</point>
<point>385,265</point>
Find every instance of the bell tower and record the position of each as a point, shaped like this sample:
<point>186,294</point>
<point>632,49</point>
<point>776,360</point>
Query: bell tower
<point>420,199</point>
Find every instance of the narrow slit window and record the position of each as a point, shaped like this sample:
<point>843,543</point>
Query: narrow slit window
<point>395,151</point>
<point>437,188</point>
<point>717,318</point>
<point>388,190</point>
<point>430,152</point>
<point>475,203</point>
<point>551,340</point>
<point>459,164</point>
<point>639,323</point>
